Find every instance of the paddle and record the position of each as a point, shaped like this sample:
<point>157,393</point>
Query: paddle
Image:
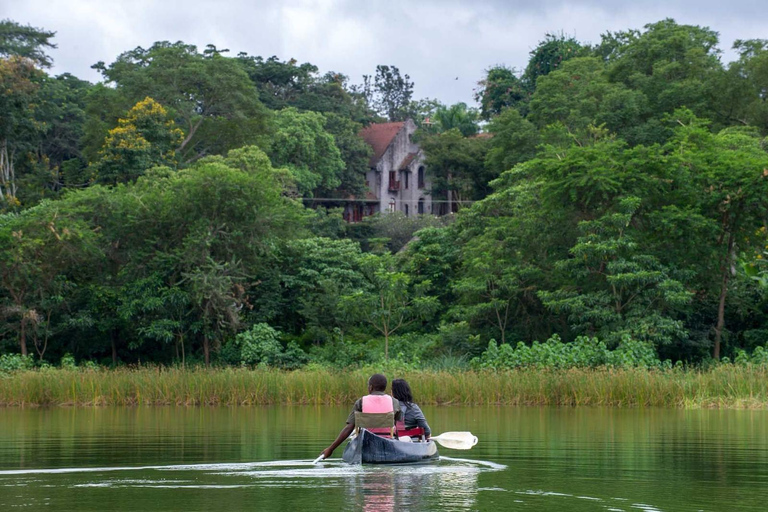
<point>321,457</point>
<point>456,440</point>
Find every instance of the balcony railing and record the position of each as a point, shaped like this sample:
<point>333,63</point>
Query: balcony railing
<point>394,186</point>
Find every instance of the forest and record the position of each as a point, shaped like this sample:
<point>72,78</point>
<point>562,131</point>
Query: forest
<point>186,210</point>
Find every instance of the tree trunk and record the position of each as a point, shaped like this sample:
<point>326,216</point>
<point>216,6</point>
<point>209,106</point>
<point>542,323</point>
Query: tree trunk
<point>23,337</point>
<point>726,269</point>
<point>7,175</point>
<point>386,346</point>
<point>207,351</point>
<point>113,340</point>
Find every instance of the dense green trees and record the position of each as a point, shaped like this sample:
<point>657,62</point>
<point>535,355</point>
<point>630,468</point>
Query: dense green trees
<point>177,213</point>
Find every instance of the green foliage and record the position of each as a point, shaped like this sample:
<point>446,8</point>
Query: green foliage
<point>301,144</point>
<point>580,95</point>
<point>145,138</point>
<point>594,206</point>
<point>354,151</point>
<point>514,141</point>
<point>25,41</point>
<point>456,117</point>
<point>456,165</point>
<point>389,301</point>
<point>549,55</point>
<point>758,357</point>
<point>260,345</point>
<point>389,92</point>
<point>212,97</point>
<point>500,89</point>
<point>395,230</point>
<point>68,362</point>
<point>618,292</point>
<point>583,352</point>
<point>15,362</point>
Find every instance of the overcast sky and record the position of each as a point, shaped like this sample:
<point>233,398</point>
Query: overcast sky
<point>434,41</point>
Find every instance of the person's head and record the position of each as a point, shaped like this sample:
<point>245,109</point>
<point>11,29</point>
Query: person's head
<point>377,382</point>
<point>402,391</point>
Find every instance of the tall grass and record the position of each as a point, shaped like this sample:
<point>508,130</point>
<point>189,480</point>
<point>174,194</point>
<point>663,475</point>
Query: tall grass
<point>726,385</point>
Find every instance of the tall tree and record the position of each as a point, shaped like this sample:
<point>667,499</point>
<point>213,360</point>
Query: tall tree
<point>390,302</point>
<point>731,171</point>
<point>25,41</point>
<point>500,89</point>
<point>301,144</point>
<point>211,96</point>
<point>549,55</point>
<point>389,92</point>
<point>19,131</point>
<point>145,138</point>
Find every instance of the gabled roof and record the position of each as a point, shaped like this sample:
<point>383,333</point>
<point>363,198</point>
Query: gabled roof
<point>407,160</point>
<point>379,136</point>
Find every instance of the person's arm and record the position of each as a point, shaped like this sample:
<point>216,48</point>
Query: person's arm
<point>340,439</point>
<point>420,420</point>
<point>345,432</point>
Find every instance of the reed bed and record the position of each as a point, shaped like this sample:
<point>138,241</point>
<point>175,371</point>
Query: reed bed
<point>725,386</point>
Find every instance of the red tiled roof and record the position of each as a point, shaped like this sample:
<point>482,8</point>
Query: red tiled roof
<point>379,136</point>
<point>407,160</point>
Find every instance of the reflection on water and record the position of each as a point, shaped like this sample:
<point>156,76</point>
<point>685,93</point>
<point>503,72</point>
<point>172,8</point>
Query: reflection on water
<point>448,485</point>
<point>578,459</point>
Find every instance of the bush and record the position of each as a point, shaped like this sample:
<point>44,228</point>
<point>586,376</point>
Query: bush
<point>15,362</point>
<point>260,345</point>
<point>583,352</point>
<point>68,362</point>
<point>758,357</point>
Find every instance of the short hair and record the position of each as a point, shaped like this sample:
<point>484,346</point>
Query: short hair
<point>377,382</point>
<point>402,391</point>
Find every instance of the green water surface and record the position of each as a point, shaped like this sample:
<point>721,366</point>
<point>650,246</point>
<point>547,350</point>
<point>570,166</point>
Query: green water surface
<point>259,458</point>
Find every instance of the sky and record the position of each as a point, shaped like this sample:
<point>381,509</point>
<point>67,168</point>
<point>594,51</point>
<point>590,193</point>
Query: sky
<point>444,45</point>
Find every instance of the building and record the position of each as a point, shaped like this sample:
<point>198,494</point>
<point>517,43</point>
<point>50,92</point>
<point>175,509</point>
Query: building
<point>396,178</point>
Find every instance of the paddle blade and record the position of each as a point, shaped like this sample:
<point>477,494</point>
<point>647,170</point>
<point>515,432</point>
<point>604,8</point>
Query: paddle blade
<point>456,440</point>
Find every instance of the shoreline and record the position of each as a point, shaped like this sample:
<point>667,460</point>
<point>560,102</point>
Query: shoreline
<point>723,387</point>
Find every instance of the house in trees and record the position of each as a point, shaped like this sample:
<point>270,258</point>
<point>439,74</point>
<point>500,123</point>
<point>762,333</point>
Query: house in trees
<point>396,178</point>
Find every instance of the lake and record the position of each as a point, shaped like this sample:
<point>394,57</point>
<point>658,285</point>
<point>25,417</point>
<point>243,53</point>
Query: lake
<point>259,458</point>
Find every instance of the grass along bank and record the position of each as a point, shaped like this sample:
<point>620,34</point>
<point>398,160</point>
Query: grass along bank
<point>725,386</point>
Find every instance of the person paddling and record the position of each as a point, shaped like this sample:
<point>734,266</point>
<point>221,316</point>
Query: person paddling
<point>377,411</point>
<point>411,417</point>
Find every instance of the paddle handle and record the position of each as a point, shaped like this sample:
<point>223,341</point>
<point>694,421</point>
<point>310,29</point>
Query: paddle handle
<point>320,458</point>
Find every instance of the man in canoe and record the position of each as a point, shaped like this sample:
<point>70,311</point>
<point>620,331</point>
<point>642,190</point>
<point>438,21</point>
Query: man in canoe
<point>376,411</point>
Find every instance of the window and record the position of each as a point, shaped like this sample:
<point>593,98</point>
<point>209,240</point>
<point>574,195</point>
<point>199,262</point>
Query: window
<point>421,177</point>
<point>405,209</point>
<point>405,177</point>
<point>392,205</point>
<point>421,206</point>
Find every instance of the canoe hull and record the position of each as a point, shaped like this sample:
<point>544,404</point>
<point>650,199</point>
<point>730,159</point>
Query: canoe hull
<point>369,448</point>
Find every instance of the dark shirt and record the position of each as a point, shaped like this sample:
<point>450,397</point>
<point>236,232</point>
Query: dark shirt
<point>413,417</point>
<point>359,408</point>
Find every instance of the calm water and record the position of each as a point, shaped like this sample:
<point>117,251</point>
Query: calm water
<point>253,458</point>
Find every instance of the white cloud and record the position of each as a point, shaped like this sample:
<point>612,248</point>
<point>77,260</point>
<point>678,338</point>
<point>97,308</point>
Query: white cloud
<point>434,41</point>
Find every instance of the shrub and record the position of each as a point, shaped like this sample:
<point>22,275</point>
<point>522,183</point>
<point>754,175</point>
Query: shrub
<point>260,345</point>
<point>583,352</point>
<point>15,362</point>
<point>68,362</point>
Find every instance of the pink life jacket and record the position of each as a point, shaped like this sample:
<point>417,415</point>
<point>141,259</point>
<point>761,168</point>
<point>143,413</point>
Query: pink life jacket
<point>379,404</point>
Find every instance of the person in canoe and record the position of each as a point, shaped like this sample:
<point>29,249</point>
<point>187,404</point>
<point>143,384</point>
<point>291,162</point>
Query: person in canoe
<point>411,417</point>
<point>376,412</point>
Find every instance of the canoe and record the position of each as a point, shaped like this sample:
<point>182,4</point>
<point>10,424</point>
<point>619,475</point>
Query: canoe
<point>368,448</point>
